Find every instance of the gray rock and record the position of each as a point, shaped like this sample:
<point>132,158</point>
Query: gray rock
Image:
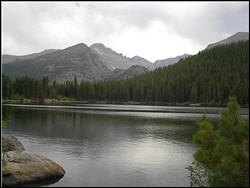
<point>22,167</point>
<point>114,60</point>
<point>240,36</point>
<point>11,58</point>
<point>10,143</point>
<point>169,61</point>
<point>132,71</point>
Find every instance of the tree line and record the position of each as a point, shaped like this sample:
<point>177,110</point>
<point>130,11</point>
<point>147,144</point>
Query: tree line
<point>210,77</point>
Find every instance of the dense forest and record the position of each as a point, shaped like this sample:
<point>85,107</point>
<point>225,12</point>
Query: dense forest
<point>209,77</point>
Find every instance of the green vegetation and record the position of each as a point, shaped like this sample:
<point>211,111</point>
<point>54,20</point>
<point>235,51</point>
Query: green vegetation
<point>4,123</point>
<point>208,78</point>
<point>223,156</point>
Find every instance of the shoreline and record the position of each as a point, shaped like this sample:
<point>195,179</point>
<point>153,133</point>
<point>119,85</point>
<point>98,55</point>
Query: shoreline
<point>72,102</point>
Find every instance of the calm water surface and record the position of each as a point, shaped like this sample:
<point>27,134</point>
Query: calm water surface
<point>112,145</point>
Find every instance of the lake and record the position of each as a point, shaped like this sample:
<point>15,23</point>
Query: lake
<point>112,145</point>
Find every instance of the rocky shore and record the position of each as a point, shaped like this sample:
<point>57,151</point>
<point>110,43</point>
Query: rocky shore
<point>20,167</point>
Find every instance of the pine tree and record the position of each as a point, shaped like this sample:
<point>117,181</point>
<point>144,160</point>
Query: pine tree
<point>223,156</point>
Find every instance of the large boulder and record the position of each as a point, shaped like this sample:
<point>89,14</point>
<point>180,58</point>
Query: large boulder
<point>22,167</point>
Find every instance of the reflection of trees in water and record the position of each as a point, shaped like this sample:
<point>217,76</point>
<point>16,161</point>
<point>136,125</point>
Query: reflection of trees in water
<point>6,112</point>
<point>95,126</point>
<point>95,133</point>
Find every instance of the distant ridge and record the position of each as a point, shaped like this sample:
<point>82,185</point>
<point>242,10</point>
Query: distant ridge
<point>11,58</point>
<point>240,36</point>
<point>169,61</point>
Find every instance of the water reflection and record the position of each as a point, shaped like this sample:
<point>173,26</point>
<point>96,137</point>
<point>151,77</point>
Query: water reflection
<point>109,148</point>
<point>93,126</point>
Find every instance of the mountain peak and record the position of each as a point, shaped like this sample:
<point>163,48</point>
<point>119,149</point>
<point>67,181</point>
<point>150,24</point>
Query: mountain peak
<point>80,45</point>
<point>136,57</point>
<point>102,49</point>
<point>78,48</point>
<point>97,45</point>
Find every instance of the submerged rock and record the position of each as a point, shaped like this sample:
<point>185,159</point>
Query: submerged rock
<point>23,167</point>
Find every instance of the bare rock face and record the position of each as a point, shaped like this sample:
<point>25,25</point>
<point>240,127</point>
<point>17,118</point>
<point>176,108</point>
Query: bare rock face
<point>169,61</point>
<point>240,36</point>
<point>22,167</point>
<point>132,71</point>
<point>114,60</point>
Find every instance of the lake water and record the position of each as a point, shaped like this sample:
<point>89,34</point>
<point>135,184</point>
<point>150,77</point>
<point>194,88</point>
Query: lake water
<point>112,145</point>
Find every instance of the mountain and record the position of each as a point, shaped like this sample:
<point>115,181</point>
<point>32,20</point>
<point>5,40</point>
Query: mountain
<point>132,71</point>
<point>169,61</point>
<point>78,60</point>
<point>11,58</point>
<point>240,36</point>
<point>114,60</point>
<point>93,63</point>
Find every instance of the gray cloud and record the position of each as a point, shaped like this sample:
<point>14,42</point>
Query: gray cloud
<point>136,14</point>
<point>31,27</point>
<point>213,21</point>
<point>207,22</point>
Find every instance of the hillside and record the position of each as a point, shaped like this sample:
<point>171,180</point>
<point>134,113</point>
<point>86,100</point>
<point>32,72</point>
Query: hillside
<point>210,76</point>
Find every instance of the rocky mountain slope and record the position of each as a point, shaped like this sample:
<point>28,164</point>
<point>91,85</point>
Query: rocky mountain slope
<point>132,71</point>
<point>11,58</point>
<point>240,36</point>
<point>114,60</point>
<point>169,61</point>
<point>93,63</point>
<point>61,65</point>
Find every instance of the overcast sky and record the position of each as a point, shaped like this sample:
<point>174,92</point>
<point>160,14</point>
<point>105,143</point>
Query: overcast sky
<point>153,30</point>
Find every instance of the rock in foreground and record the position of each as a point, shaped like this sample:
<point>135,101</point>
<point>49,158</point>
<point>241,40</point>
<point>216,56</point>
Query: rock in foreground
<point>22,167</point>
